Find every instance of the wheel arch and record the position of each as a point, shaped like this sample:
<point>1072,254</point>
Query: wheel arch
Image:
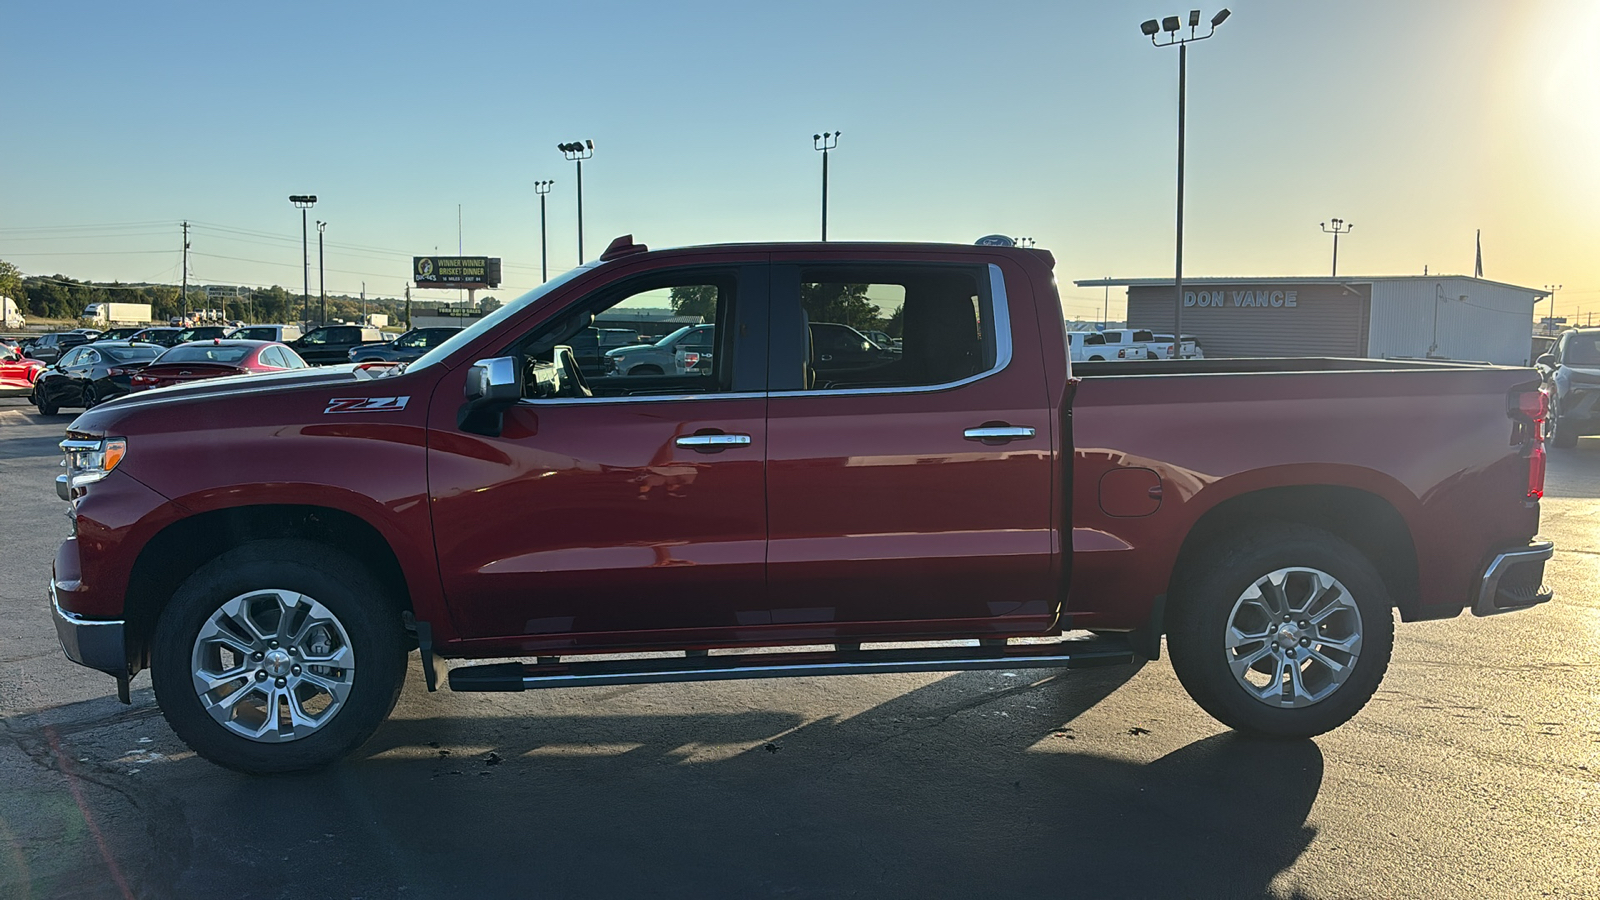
<point>182,547</point>
<point>1365,520</point>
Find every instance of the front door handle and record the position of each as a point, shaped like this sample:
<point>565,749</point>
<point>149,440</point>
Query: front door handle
<point>712,443</point>
<point>998,434</point>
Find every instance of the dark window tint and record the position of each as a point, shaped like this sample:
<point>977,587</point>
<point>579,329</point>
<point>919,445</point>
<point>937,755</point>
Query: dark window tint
<point>1143,336</point>
<point>206,353</point>
<point>942,314</point>
<point>255,334</point>
<point>344,335</point>
<point>131,354</point>
<point>1581,350</point>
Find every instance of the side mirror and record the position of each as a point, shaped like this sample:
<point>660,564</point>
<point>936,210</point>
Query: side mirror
<point>1548,360</point>
<point>493,386</point>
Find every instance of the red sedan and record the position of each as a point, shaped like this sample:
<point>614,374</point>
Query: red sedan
<point>214,359</point>
<point>16,370</point>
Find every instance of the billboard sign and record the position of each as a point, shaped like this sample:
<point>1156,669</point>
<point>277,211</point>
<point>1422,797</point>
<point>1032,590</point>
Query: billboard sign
<point>456,271</point>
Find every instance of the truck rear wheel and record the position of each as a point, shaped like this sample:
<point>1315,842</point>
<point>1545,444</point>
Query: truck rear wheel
<point>1282,632</point>
<point>278,656</point>
<point>1562,432</point>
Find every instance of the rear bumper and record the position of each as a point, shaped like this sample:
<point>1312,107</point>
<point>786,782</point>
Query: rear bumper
<point>1514,580</point>
<point>98,644</point>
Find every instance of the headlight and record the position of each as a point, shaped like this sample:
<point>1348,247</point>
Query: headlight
<point>88,461</point>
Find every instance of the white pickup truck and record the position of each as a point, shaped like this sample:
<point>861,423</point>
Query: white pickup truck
<point>1089,346</point>
<point>1131,343</point>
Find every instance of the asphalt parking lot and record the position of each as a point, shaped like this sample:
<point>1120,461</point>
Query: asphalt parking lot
<point>1474,773</point>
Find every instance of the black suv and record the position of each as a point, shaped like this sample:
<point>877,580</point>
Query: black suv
<point>49,347</point>
<point>406,347</point>
<point>331,344</point>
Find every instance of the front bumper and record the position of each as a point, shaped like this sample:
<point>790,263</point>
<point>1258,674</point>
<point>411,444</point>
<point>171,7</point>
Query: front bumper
<point>1514,580</point>
<point>96,643</point>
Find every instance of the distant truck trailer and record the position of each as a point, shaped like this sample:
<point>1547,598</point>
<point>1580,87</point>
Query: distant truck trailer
<point>10,315</point>
<point>118,313</point>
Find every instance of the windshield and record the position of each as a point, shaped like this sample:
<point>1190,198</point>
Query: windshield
<point>211,353</point>
<point>673,336</point>
<point>477,329</point>
<point>126,354</point>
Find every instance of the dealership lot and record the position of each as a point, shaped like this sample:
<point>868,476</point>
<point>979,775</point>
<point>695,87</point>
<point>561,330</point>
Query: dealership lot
<point>1474,772</point>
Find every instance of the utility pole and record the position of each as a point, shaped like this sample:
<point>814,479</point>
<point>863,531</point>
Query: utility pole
<point>186,271</point>
<point>1552,288</point>
<point>1340,226</point>
<point>1105,315</point>
<point>825,142</point>
<point>363,303</point>
<point>322,287</point>
<point>542,188</point>
<point>408,304</point>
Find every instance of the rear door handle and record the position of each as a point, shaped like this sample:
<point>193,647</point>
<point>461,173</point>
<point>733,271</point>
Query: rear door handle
<point>999,434</point>
<point>712,443</point>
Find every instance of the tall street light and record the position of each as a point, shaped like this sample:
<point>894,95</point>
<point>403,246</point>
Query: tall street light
<point>1551,290</point>
<point>825,142</point>
<point>1151,29</point>
<point>577,152</point>
<point>1340,226</point>
<point>304,202</point>
<point>322,284</point>
<point>542,188</point>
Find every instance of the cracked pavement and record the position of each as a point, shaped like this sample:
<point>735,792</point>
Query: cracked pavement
<point>1474,772</point>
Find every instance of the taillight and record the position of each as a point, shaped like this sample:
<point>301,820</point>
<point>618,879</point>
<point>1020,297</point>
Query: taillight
<point>143,379</point>
<point>1531,409</point>
<point>118,371</point>
<point>1534,405</point>
<point>1536,472</point>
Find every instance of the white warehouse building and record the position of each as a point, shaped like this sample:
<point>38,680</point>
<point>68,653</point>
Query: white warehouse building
<point>1379,317</point>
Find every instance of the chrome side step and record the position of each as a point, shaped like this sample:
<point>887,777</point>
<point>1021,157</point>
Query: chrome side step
<point>549,672</point>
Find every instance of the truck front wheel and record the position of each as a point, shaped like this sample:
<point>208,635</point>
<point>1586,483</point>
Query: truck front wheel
<point>278,656</point>
<point>1282,632</point>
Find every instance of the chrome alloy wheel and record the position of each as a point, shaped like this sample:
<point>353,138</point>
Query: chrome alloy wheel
<point>1293,637</point>
<point>273,665</point>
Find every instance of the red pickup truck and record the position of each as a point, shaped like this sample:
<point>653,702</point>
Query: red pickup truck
<point>273,548</point>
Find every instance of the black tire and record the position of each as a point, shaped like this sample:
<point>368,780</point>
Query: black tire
<point>646,370</point>
<point>1561,434</point>
<point>89,398</point>
<point>1203,606</point>
<point>47,408</point>
<point>329,577</point>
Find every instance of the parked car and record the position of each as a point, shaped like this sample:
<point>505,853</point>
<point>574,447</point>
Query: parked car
<point>837,350</point>
<point>1191,347</point>
<point>283,334</point>
<point>273,555</point>
<point>1088,346</point>
<point>1131,343</point>
<point>123,333</point>
<point>882,339</point>
<point>49,347</point>
<point>331,344</point>
<point>1573,370</point>
<point>658,358</point>
<point>216,358</point>
<point>201,333</point>
<point>590,345</point>
<point>160,335</point>
<point>90,374</point>
<point>17,372</point>
<point>406,347</point>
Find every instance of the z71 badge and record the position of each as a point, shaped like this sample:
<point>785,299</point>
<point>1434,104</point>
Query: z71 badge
<point>365,404</point>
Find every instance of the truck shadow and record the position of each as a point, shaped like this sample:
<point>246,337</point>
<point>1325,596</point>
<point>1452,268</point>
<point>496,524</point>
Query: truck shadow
<point>967,786</point>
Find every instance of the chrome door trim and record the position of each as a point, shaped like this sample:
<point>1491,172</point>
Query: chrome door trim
<point>719,441</point>
<point>1006,433</point>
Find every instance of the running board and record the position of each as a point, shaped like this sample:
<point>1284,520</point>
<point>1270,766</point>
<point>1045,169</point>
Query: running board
<point>549,672</point>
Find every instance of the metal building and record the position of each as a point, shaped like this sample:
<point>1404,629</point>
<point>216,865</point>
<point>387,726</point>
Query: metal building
<point>1381,317</point>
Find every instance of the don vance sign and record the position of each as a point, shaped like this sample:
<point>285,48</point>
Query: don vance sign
<point>1261,299</point>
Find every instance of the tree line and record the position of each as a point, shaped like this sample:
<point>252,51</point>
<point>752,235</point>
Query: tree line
<point>60,297</point>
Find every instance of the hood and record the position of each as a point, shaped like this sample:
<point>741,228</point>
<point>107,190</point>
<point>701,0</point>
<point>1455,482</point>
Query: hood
<point>102,416</point>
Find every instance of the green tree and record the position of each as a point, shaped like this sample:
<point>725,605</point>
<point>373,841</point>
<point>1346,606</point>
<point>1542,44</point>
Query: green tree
<point>896,323</point>
<point>846,304</point>
<point>11,282</point>
<point>695,300</point>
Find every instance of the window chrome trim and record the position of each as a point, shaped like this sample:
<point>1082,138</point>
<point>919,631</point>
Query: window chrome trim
<point>1002,358</point>
<point>536,402</point>
<point>1002,353</point>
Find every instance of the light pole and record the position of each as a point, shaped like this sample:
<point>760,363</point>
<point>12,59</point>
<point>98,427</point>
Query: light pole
<point>304,202</point>
<point>542,188</point>
<point>1340,226</point>
<point>577,152</point>
<point>1170,25</point>
<point>322,285</point>
<point>825,142</point>
<point>1551,289</point>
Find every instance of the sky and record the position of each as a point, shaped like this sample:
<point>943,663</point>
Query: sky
<point>1420,122</point>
